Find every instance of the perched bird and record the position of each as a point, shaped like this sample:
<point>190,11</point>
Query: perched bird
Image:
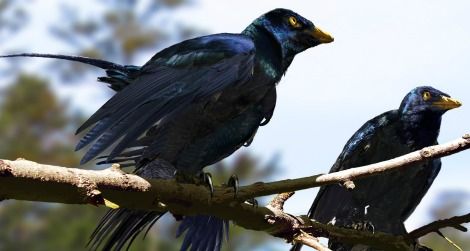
<point>383,202</point>
<point>191,105</point>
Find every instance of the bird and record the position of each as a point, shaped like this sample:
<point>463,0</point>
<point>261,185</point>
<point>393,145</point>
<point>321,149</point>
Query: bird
<point>191,105</point>
<point>383,202</point>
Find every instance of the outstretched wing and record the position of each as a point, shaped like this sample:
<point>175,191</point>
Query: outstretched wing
<point>175,78</point>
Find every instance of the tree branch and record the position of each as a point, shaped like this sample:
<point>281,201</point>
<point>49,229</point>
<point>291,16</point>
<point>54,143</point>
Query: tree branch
<point>437,151</point>
<point>455,222</point>
<point>26,180</point>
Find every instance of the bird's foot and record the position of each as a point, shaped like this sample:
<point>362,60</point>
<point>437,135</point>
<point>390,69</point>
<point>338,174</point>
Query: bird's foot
<point>233,182</point>
<point>363,226</point>
<point>201,179</point>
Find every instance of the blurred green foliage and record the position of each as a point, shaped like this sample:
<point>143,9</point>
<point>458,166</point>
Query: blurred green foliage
<point>34,124</point>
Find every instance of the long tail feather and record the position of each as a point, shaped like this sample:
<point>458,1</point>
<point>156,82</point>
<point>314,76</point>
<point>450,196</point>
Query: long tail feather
<point>91,61</point>
<point>118,76</point>
<point>120,227</point>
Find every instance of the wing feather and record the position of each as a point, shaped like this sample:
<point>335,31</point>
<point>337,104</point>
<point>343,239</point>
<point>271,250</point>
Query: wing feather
<point>167,84</point>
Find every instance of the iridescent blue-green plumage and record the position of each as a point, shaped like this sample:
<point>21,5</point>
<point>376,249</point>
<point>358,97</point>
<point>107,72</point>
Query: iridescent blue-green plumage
<point>383,202</point>
<point>191,105</point>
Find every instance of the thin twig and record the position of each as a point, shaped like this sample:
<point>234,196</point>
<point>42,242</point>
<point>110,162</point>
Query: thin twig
<point>278,201</point>
<point>310,241</point>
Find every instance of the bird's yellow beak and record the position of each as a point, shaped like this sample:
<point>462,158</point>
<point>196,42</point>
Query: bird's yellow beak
<point>321,36</point>
<point>446,103</point>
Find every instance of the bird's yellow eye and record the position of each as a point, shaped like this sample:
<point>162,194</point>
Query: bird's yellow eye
<point>293,22</point>
<point>426,96</point>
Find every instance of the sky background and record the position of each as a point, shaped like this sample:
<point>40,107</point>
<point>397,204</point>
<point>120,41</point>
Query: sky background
<point>382,50</point>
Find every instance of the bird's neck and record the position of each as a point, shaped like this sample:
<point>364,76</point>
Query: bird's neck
<point>269,54</point>
<point>421,129</point>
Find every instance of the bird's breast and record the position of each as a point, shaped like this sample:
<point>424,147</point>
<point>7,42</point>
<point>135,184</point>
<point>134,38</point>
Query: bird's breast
<point>231,117</point>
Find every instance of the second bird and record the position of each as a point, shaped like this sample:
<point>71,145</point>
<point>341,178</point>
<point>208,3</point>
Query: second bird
<point>383,202</point>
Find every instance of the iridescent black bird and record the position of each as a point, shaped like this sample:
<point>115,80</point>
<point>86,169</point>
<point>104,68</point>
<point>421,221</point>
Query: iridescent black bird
<point>383,202</point>
<point>191,105</point>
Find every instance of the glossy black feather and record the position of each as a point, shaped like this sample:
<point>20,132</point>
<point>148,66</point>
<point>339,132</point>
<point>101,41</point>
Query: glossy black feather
<point>120,227</point>
<point>161,90</point>
<point>203,233</point>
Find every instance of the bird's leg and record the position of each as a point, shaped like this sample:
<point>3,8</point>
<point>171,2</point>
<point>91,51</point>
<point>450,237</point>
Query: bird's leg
<point>233,182</point>
<point>201,178</point>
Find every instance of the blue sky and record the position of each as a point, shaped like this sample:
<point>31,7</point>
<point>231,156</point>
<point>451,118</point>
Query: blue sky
<point>382,50</point>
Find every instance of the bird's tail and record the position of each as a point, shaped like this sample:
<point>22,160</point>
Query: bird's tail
<point>296,247</point>
<point>118,76</point>
<point>119,227</point>
<point>203,233</point>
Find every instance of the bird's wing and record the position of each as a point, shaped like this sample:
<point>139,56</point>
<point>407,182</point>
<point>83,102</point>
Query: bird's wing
<point>172,80</point>
<point>355,154</point>
<point>421,185</point>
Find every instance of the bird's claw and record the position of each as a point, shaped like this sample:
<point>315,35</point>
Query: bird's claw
<point>248,142</point>
<point>207,180</point>
<point>253,202</point>
<point>233,182</point>
<point>364,226</point>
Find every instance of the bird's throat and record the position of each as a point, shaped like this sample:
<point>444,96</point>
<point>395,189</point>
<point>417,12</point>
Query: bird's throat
<point>269,55</point>
<point>421,127</point>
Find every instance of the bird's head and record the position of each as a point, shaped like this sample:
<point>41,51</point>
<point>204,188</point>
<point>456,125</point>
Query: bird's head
<point>426,99</point>
<point>292,32</point>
